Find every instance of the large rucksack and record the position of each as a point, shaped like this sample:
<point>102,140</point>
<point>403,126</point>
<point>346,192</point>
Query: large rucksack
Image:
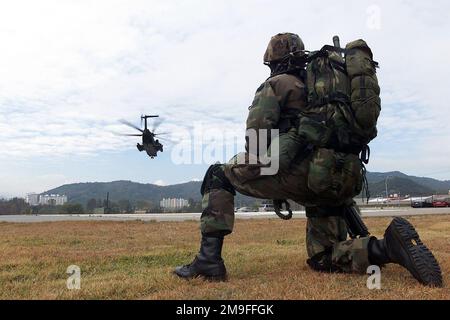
<point>343,98</point>
<point>341,117</point>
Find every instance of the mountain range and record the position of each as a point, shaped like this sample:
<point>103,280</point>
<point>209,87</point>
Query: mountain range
<point>397,182</point>
<point>401,183</point>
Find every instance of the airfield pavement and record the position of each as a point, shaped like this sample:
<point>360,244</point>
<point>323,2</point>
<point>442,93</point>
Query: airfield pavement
<point>159,217</point>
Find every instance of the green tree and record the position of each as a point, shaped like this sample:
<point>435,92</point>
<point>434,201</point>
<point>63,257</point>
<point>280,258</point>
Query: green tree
<point>72,208</point>
<point>113,207</point>
<point>144,205</point>
<point>125,206</point>
<point>48,209</point>
<point>14,206</point>
<point>91,205</point>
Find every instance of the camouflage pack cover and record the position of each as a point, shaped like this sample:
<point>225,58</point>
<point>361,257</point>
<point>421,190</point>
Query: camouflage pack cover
<point>281,45</point>
<point>326,78</point>
<point>365,91</point>
<point>343,98</point>
<point>334,175</point>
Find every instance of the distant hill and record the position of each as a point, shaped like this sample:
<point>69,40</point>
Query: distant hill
<point>406,184</point>
<point>398,185</point>
<point>398,182</point>
<point>133,191</point>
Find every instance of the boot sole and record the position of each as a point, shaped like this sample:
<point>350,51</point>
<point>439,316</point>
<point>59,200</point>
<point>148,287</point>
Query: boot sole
<point>426,269</point>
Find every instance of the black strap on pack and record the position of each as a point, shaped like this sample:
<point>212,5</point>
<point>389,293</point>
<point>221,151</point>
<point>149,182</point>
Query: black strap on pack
<point>335,97</point>
<point>278,206</point>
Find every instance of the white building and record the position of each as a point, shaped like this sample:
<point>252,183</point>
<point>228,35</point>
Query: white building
<point>52,199</point>
<point>173,203</point>
<point>32,199</point>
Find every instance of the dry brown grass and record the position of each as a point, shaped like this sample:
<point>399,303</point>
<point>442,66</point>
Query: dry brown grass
<point>134,260</point>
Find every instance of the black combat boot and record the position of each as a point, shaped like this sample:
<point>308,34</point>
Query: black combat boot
<point>377,252</point>
<point>208,263</point>
<point>402,245</point>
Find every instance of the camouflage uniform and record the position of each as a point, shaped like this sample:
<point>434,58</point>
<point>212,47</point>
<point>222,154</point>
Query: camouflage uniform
<point>277,97</point>
<point>324,180</point>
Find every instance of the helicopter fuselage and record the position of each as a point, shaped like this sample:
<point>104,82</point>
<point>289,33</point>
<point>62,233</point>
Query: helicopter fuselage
<point>149,144</point>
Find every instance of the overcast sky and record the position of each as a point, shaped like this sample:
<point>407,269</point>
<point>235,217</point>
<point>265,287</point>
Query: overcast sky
<point>70,69</point>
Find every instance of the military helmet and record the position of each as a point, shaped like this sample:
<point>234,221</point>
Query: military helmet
<point>281,45</point>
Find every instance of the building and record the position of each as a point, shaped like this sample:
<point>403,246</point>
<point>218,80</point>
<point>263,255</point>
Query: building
<point>32,199</point>
<point>52,199</point>
<point>35,199</point>
<point>173,203</point>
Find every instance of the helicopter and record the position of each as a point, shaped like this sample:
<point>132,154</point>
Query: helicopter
<point>150,144</point>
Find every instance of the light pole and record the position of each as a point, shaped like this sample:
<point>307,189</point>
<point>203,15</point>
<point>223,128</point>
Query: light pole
<point>386,186</point>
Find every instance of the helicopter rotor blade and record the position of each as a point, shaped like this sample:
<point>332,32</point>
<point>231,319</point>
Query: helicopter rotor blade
<point>156,124</point>
<point>162,133</point>
<point>165,139</point>
<point>126,134</point>
<point>125,122</point>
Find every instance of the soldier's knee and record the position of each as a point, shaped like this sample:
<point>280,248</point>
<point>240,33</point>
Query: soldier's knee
<point>215,179</point>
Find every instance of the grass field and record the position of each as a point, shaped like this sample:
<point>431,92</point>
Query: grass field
<point>134,260</point>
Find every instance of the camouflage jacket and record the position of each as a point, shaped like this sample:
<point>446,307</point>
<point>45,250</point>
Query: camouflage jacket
<point>277,101</point>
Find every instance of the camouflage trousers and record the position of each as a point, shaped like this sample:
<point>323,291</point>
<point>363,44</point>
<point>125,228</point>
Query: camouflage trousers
<point>325,233</point>
<point>330,234</point>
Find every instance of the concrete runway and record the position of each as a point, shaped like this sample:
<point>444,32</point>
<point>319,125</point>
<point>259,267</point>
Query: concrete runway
<point>196,216</point>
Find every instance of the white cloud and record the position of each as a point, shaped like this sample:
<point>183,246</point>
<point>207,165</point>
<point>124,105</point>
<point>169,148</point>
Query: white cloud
<point>159,183</point>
